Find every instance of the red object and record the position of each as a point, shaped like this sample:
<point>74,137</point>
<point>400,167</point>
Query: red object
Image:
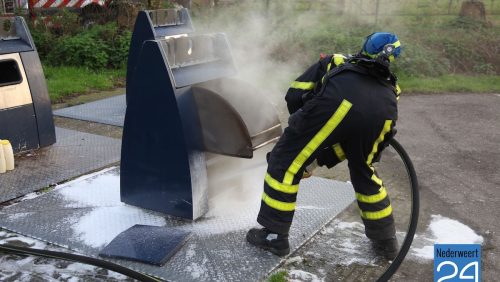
<point>34,5</point>
<point>31,5</point>
<point>45,4</point>
<point>48,3</point>
<point>322,56</point>
<point>64,4</point>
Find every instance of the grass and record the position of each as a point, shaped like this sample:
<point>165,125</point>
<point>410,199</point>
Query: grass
<point>64,83</point>
<point>451,83</point>
<point>70,81</point>
<point>47,189</point>
<point>279,276</point>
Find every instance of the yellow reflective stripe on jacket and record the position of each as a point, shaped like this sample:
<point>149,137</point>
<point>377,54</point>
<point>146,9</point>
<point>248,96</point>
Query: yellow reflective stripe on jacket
<point>328,67</point>
<point>303,85</point>
<point>387,128</point>
<point>378,214</point>
<point>316,141</point>
<point>371,199</point>
<point>277,205</point>
<point>338,59</point>
<point>278,186</point>
<point>323,78</point>
<point>339,152</point>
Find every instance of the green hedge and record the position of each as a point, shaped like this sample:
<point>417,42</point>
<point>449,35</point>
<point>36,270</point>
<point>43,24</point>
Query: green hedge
<point>95,48</point>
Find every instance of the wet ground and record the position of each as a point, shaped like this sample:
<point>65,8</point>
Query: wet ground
<point>30,268</point>
<point>453,141</point>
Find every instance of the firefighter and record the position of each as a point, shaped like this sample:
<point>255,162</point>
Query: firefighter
<point>342,107</point>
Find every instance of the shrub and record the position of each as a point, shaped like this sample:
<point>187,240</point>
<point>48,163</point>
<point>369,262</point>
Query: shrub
<point>467,50</point>
<point>44,41</point>
<point>64,22</point>
<point>119,54</point>
<point>99,47</point>
<point>79,50</point>
<point>419,60</point>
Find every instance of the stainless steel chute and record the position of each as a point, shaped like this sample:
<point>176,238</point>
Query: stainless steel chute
<point>249,116</point>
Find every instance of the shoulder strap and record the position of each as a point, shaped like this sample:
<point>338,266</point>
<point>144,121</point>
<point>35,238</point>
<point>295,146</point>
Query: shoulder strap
<point>353,66</point>
<point>333,72</point>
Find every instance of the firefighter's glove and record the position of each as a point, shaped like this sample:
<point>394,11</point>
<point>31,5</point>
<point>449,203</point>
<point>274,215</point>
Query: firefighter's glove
<point>308,172</point>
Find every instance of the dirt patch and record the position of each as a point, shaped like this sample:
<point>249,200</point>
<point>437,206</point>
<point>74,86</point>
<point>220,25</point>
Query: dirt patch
<point>89,127</point>
<point>86,98</point>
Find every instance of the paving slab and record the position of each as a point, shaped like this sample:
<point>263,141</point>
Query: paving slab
<point>107,111</point>
<point>75,153</point>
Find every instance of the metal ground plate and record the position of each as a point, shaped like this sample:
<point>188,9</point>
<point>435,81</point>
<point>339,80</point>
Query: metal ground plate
<point>84,215</point>
<point>107,111</point>
<point>74,154</point>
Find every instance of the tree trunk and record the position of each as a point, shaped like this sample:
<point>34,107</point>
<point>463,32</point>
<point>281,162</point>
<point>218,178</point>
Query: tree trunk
<point>473,9</point>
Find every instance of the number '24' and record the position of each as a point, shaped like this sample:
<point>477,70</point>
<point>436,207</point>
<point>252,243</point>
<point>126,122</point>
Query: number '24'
<point>455,271</point>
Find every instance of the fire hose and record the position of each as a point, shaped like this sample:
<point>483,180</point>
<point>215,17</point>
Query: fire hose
<point>415,205</point>
<point>8,248</point>
<point>389,271</point>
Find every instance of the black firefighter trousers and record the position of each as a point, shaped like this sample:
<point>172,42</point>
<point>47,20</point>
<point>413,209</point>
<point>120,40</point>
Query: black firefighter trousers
<point>330,129</point>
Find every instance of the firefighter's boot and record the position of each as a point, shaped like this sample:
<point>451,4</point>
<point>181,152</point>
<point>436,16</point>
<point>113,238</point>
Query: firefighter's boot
<point>387,248</point>
<point>267,240</point>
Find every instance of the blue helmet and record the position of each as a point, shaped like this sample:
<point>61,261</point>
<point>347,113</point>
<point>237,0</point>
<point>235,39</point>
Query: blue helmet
<point>379,43</point>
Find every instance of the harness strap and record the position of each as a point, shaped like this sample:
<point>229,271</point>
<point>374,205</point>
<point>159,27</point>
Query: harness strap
<point>352,65</point>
